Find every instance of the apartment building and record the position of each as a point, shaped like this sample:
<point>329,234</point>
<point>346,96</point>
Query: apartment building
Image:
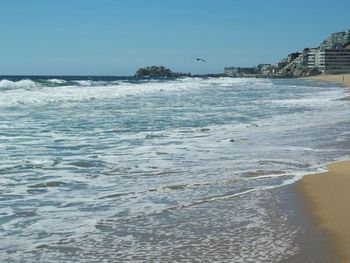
<point>334,61</point>
<point>335,40</point>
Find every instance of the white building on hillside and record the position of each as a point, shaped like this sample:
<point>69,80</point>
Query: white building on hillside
<point>334,61</point>
<point>336,39</point>
<point>330,61</point>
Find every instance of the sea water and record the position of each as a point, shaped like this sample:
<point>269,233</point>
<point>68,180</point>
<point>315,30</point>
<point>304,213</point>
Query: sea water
<point>98,169</point>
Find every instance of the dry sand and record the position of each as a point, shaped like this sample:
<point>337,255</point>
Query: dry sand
<point>343,79</point>
<point>328,196</point>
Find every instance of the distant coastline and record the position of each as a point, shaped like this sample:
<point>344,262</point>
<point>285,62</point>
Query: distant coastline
<point>332,56</point>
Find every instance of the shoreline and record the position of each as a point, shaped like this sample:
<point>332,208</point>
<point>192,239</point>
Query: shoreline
<point>339,79</point>
<point>313,245</point>
<point>327,199</point>
<point>327,194</point>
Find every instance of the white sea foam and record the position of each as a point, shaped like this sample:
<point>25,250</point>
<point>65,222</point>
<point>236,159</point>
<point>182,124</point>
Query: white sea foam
<point>21,84</point>
<point>86,90</point>
<point>84,82</point>
<point>97,166</point>
<point>56,81</point>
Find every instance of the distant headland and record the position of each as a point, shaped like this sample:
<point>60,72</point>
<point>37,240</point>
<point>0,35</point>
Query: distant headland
<point>332,56</point>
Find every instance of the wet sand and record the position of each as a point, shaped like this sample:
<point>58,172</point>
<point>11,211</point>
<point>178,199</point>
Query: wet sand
<point>313,245</point>
<point>341,79</point>
<point>328,194</point>
<point>328,198</point>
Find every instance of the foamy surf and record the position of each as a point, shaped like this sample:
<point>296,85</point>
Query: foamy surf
<point>129,169</point>
<point>21,84</point>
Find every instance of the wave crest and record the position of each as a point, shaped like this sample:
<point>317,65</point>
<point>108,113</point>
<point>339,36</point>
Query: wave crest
<point>56,81</point>
<point>21,84</point>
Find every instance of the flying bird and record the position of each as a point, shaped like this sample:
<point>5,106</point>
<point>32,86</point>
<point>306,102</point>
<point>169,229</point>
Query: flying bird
<point>200,59</point>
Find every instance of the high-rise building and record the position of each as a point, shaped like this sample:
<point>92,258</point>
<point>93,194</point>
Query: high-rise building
<point>334,61</point>
<point>333,55</point>
<point>336,40</point>
<point>313,57</point>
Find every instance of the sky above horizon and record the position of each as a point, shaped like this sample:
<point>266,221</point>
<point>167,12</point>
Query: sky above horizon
<point>116,37</point>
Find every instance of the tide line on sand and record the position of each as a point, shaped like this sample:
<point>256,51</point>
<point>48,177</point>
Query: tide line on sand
<point>328,197</point>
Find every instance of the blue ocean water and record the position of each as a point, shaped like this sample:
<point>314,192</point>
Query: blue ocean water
<point>103,169</point>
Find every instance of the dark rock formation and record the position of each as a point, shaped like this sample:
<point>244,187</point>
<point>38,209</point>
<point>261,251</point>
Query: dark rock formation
<point>154,71</point>
<point>159,71</point>
<point>305,72</point>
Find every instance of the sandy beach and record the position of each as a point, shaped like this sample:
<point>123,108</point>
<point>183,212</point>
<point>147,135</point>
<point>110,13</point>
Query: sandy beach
<point>327,194</point>
<point>328,197</point>
<point>341,79</point>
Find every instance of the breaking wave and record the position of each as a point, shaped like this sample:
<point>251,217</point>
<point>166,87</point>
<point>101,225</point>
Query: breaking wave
<point>21,84</point>
<point>57,81</point>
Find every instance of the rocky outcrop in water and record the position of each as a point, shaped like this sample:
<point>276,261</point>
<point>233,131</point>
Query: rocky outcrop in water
<point>154,71</point>
<point>158,71</point>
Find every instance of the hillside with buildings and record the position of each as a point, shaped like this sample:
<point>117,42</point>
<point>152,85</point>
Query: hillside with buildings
<point>331,57</point>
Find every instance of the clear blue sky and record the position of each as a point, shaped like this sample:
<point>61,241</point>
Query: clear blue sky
<point>115,37</point>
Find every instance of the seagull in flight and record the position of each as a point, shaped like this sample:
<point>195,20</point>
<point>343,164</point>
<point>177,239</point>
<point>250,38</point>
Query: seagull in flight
<point>200,59</point>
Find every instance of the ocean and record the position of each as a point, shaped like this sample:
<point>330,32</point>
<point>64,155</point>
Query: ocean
<point>121,169</point>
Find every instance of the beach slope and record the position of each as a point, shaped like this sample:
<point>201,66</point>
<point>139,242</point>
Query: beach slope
<point>328,196</point>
